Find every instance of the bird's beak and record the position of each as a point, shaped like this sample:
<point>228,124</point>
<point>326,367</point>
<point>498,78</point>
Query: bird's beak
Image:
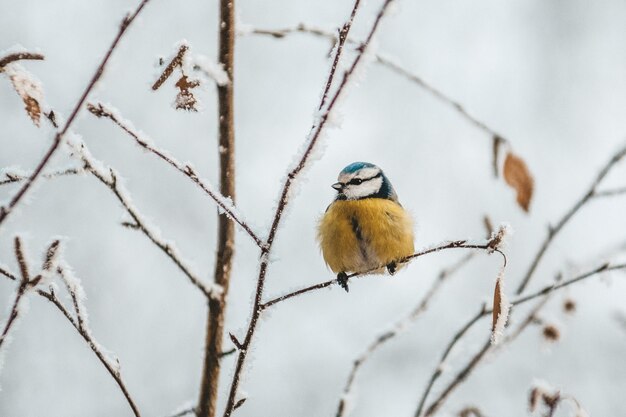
<point>337,186</point>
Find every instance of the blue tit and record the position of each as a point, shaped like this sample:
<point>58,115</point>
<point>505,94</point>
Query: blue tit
<point>365,228</point>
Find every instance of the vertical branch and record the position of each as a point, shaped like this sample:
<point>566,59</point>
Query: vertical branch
<point>226,228</point>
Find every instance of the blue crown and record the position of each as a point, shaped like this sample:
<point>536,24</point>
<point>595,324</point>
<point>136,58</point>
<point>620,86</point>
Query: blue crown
<point>355,166</point>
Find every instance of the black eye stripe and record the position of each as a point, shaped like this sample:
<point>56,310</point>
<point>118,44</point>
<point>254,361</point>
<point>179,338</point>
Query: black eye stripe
<point>357,181</point>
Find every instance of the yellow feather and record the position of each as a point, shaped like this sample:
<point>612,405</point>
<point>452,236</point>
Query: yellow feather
<point>384,227</point>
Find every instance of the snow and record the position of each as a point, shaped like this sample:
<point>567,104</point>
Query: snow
<point>212,69</point>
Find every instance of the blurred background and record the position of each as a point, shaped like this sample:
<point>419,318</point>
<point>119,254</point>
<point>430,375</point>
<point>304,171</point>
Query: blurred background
<point>546,74</point>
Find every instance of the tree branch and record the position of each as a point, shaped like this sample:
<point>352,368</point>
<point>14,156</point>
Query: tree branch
<point>464,373</point>
<point>18,56</point>
<point>207,401</point>
<point>100,110</point>
<point>553,231</point>
<point>457,244</point>
<point>6,210</point>
<point>385,62</point>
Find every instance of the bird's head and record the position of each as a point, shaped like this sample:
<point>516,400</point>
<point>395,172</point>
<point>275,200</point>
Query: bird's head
<point>363,180</point>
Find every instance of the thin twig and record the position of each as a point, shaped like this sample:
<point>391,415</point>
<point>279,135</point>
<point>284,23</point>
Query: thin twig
<point>554,230</point>
<point>78,322</point>
<point>18,56</point>
<point>398,328</point>
<point>11,178</point>
<point>101,110</point>
<point>390,64</point>
<point>464,373</point>
<point>25,284</point>
<point>6,210</point>
<point>456,244</point>
<point>314,135</point>
<point>610,193</point>
<point>111,181</point>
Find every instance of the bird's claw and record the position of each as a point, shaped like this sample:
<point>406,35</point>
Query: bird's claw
<point>392,267</point>
<point>342,280</point>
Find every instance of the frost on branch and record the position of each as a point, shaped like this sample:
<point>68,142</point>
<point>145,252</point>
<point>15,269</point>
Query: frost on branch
<point>501,307</point>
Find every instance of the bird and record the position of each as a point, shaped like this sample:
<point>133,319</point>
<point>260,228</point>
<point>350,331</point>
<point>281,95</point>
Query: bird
<point>365,228</point>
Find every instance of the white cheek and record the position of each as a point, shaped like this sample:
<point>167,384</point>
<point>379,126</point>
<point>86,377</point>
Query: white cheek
<point>365,189</point>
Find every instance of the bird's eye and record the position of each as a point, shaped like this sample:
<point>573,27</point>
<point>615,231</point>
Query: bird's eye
<point>356,181</point>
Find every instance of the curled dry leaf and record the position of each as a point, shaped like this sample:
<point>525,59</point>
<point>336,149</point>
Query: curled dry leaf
<point>500,311</point>
<point>28,88</point>
<point>185,99</point>
<point>516,175</point>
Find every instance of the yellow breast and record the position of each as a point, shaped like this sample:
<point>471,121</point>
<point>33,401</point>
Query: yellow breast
<point>358,235</point>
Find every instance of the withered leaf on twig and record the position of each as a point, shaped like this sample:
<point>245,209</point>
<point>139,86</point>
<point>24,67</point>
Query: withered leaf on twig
<point>29,89</point>
<point>500,312</point>
<point>185,99</point>
<point>517,175</point>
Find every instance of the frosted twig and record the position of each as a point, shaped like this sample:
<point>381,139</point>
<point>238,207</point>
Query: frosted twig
<point>554,230</point>
<point>10,177</point>
<point>464,373</point>
<point>398,328</point>
<point>140,223</point>
<point>312,139</point>
<point>457,244</point>
<point>101,110</point>
<point>18,56</point>
<point>388,63</point>
<point>58,139</point>
<point>610,193</point>
<point>185,412</point>
<point>78,319</point>
<point>26,283</point>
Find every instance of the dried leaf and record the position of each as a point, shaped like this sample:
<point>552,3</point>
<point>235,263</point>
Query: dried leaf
<point>29,89</point>
<point>516,175</point>
<point>497,308</point>
<point>500,312</point>
<point>185,99</point>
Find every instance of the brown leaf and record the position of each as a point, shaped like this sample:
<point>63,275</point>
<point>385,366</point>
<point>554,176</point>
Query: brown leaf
<point>500,312</point>
<point>28,89</point>
<point>497,308</point>
<point>185,99</point>
<point>516,175</point>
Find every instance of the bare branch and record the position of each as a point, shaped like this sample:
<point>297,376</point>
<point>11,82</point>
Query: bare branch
<point>610,193</point>
<point>78,322</point>
<point>464,373</point>
<point>25,285</point>
<point>10,178</point>
<point>388,63</point>
<point>6,210</point>
<point>18,56</point>
<point>177,62</point>
<point>456,244</point>
<point>207,401</point>
<point>554,230</point>
<point>100,110</point>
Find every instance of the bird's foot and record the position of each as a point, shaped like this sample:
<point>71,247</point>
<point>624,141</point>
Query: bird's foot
<point>342,280</point>
<point>392,267</point>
